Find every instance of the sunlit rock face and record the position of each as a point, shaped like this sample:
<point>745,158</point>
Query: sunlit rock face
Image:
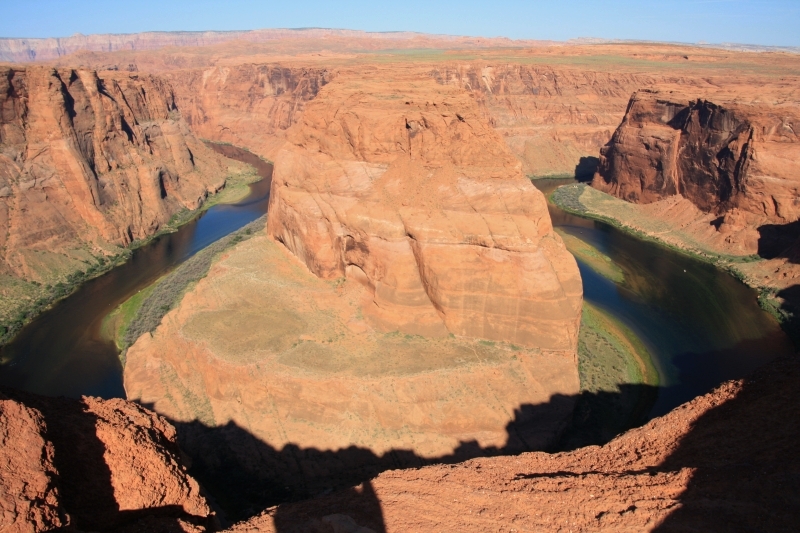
<point>400,184</point>
<point>90,161</point>
<point>738,161</point>
<point>409,303</point>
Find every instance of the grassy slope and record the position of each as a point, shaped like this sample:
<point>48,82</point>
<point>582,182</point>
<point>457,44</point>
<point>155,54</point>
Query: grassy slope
<point>142,312</point>
<point>592,257</point>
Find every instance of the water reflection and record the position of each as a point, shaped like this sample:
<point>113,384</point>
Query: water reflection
<point>701,325</point>
<point>62,353</point>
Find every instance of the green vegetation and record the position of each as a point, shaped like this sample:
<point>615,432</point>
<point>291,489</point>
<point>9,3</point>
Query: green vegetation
<point>573,198</point>
<point>618,380</point>
<point>21,301</point>
<point>556,176</point>
<point>236,189</point>
<point>592,257</point>
<point>115,325</point>
<point>610,354</point>
<point>586,202</point>
<point>143,312</point>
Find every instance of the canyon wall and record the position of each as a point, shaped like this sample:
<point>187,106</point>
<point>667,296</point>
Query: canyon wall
<point>554,118</point>
<point>737,161</point>
<point>88,164</point>
<point>246,105</point>
<point>401,184</point>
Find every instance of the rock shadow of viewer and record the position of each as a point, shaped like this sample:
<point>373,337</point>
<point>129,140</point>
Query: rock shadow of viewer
<point>744,454</point>
<point>245,475</point>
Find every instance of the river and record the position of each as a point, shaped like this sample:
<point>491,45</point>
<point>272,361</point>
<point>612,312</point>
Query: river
<point>62,351</point>
<point>700,324</point>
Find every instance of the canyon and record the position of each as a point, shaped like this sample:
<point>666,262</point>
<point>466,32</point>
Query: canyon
<point>89,165</point>
<point>397,200</point>
<point>409,302</point>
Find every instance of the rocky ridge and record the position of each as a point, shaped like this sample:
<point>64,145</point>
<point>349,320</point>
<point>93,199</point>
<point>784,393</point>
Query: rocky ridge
<point>91,465</point>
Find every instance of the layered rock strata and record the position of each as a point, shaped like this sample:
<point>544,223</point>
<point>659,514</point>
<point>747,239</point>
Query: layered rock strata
<point>91,160</point>
<point>737,162</point>
<point>92,465</point>
<point>400,184</point>
<point>246,105</point>
<point>88,164</point>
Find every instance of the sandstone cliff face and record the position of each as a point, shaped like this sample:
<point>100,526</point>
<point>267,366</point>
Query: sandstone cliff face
<point>246,105</point>
<point>88,164</point>
<point>738,161</point>
<point>400,184</point>
<point>93,465</point>
<point>553,118</point>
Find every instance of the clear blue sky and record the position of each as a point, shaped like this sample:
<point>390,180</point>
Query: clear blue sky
<point>768,22</point>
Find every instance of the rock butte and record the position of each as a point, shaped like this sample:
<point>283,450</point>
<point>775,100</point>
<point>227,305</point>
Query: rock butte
<point>397,209</point>
<point>397,183</point>
<point>738,162</point>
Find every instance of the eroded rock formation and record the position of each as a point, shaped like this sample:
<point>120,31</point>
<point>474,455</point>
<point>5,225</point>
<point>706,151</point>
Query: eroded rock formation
<point>400,184</point>
<point>92,465</point>
<point>246,105</point>
<point>91,160</point>
<point>739,162</point>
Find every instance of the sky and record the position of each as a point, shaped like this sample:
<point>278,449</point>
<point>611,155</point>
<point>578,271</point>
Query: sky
<point>763,22</point>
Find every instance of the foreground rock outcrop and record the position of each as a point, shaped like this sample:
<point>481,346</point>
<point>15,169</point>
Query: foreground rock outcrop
<point>92,465</point>
<point>698,468</point>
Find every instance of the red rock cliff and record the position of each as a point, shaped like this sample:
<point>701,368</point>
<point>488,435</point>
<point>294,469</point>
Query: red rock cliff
<point>91,160</point>
<point>397,182</point>
<point>731,159</point>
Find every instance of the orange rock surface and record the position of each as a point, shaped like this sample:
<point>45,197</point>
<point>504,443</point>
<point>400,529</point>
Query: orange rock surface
<point>398,183</point>
<point>93,465</point>
<point>698,468</point>
<point>88,162</point>
<point>730,159</point>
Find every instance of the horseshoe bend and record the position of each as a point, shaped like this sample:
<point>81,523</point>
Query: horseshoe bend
<point>477,287</point>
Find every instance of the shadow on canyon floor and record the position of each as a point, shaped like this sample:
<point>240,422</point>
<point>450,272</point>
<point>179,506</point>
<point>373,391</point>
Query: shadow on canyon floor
<point>745,470</point>
<point>783,241</point>
<point>585,169</point>
<point>84,476</point>
<point>244,475</point>
<point>743,453</point>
